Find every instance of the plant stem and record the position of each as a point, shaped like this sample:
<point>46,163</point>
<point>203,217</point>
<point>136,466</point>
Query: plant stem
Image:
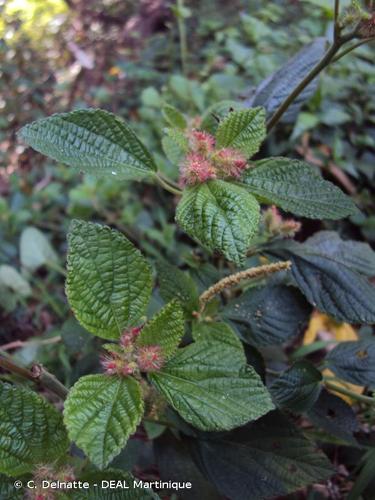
<point>168,187</point>
<point>347,392</point>
<point>38,374</point>
<point>182,35</point>
<point>336,28</point>
<point>352,47</point>
<point>234,279</point>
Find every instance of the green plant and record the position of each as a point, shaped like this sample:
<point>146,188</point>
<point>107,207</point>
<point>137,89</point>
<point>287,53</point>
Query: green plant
<point>213,383</point>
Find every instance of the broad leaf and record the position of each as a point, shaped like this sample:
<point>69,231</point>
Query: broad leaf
<point>91,140</point>
<point>216,113</point>
<point>354,361</point>
<point>133,490</point>
<point>267,458</point>
<point>31,431</point>
<point>209,384</point>
<point>272,91</point>
<point>35,249</point>
<point>101,412</point>
<point>177,284</point>
<point>222,216</point>
<point>330,286</point>
<point>202,331</point>
<point>269,315</point>
<point>8,491</point>
<point>297,388</point>
<point>334,416</point>
<point>166,329</point>
<point>109,282</point>
<point>297,187</point>
<point>354,254</point>
<point>244,130</point>
<point>174,117</point>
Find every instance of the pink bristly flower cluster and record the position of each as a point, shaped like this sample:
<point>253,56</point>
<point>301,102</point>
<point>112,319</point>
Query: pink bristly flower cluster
<point>204,162</point>
<point>129,359</point>
<point>277,226</point>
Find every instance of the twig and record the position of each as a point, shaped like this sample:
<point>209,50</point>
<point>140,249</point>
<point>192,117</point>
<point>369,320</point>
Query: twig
<point>352,47</point>
<point>359,397</point>
<point>21,343</point>
<point>168,187</point>
<point>234,279</point>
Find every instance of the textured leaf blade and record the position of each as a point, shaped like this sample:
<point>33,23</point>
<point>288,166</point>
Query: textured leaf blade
<point>216,113</point>
<point>31,431</point>
<point>269,315</point>
<point>244,130</point>
<point>296,187</point>
<point>209,384</point>
<point>298,387</point>
<point>177,284</point>
<point>354,361</point>
<point>330,286</point>
<point>274,89</point>
<point>222,216</point>
<point>109,282</point>
<point>267,458</point>
<point>91,140</point>
<point>101,412</point>
<point>166,329</point>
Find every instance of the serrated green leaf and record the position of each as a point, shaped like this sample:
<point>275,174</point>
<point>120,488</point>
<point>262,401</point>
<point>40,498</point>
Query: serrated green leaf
<point>354,361</point>
<point>297,388</point>
<point>31,431</point>
<point>178,284</point>
<point>91,140</point>
<point>109,281</point>
<point>174,117</point>
<point>244,130</point>
<point>328,285</point>
<point>269,315</point>
<point>217,112</point>
<point>172,150</point>
<point>296,187</point>
<point>265,459</point>
<point>220,330</point>
<point>166,329</point>
<point>97,492</point>
<point>8,491</point>
<point>222,216</point>
<point>209,384</point>
<point>101,412</point>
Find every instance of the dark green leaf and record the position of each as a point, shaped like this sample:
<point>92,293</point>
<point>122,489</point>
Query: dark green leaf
<point>297,187</point>
<point>92,140</point>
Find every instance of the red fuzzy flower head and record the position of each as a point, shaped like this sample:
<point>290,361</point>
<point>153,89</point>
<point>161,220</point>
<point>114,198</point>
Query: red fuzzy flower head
<point>128,336</point>
<point>115,364</point>
<point>196,169</point>
<point>276,225</point>
<point>150,358</point>
<point>201,142</point>
<point>230,162</point>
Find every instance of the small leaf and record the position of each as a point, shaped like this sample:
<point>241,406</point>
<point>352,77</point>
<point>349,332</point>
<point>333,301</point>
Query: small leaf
<point>244,130</point>
<point>221,330</point>
<point>92,140</point>
<point>109,281</point>
<point>178,284</point>
<point>296,187</point>
<point>330,286</point>
<point>31,431</point>
<point>166,329</point>
<point>12,279</point>
<point>217,112</point>
<point>222,216</point>
<point>99,492</point>
<point>264,459</point>
<point>209,384</point>
<point>35,249</point>
<point>354,361</point>
<point>357,255</point>
<point>101,412</point>
<point>297,388</point>
<point>174,117</point>
<point>269,315</point>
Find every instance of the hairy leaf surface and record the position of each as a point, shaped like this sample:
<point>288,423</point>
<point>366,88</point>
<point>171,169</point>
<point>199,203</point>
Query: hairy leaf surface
<point>222,216</point>
<point>296,187</point>
<point>109,282</point>
<point>92,140</point>
<point>101,412</point>
<point>31,431</point>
